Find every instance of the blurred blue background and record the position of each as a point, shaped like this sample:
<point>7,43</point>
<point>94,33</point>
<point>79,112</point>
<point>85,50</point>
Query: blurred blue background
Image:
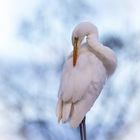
<point>35,39</point>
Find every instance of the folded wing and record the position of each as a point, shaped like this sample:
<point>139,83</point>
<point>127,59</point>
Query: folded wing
<point>80,86</point>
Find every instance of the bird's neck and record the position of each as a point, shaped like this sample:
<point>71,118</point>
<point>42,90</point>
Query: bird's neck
<point>105,54</point>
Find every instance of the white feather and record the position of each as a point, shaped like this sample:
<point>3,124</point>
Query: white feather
<point>59,110</point>
<point>81,85</point>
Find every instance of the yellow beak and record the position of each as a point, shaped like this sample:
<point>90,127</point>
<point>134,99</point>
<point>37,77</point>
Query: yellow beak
<point>75,50</point>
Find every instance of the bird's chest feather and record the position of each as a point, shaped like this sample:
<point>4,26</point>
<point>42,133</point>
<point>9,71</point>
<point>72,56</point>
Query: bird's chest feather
<point>76,80</point>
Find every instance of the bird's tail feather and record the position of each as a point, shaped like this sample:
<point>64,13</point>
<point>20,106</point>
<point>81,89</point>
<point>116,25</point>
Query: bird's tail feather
<point>66,111</point>
<point>63,110</point>
<point>59,110</point>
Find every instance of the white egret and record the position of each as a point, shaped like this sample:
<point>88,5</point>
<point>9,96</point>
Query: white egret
<point>84,74</point>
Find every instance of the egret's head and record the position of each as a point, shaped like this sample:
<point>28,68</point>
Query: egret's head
<point>82,30</point>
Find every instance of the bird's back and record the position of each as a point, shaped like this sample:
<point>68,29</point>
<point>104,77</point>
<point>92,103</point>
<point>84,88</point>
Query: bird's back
<point>80,86</point>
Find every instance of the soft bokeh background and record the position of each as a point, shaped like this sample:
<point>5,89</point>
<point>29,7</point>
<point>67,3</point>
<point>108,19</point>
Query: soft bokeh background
<point>35,39</point>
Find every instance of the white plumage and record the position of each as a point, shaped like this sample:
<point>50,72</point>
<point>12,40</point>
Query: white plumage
<point>82,83</point>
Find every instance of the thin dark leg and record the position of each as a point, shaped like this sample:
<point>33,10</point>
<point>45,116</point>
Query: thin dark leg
<point>83,129</point>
